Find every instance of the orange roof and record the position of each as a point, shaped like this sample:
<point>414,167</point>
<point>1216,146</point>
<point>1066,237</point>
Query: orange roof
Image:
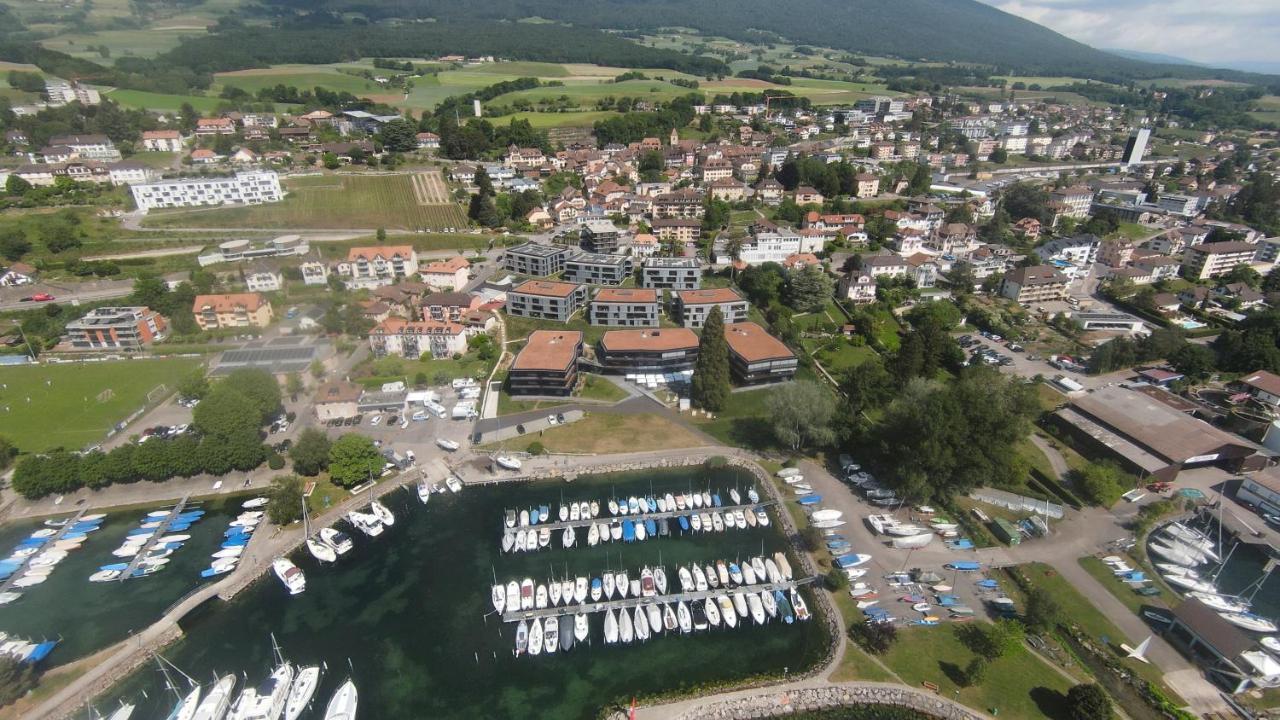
<point>548,288</point>
<point>801,259</point>
<point>228,302</point>
<point>549,350</point>
<point>369,253</point>
<point>631,295</point>
<point>161,135</point>
<point>450,266</point>
<point>644,239</point>
<point>709,296</point>
<point>750,342</point>
<point>399,326</point>
<point>657,340</point>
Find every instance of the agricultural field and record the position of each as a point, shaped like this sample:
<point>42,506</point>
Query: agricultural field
<point>1270,111</point>
<point>74,405</point>
<point>396,202</point>
<point>543,121</point>
<point>122,43</point>
<point>158,101</point>
<point>303,77</point>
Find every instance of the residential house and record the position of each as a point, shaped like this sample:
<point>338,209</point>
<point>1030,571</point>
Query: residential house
<point>162,140</point>
<point>231,310</point>
<point>867,185</point>
<point>337,400</point>
<point>806,195</point>
<point>888,265</point>
<point>685,204</point>
<point>1038,283</point>
<point>769,191</point>
<point>857,287</point>
<point>378,265</point>
<point>263,279</point>
<point>684,231</point>
<point>244,188</point>
<point>728,189</point>
<point>314,272</point>
<point>206,127</point>
<point>642,245</point>
<point>625,307</point>
<point>448,274</point>
<point>1238,296</point>
<point>1263,387</point>
<point>116,328</point>
<point>416,339</point>
<point>428,141</point>
<point>690,308</point>
<point>448,306</point>
<point>599,236</point>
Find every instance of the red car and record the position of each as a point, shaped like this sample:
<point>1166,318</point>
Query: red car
<point>42,297</point>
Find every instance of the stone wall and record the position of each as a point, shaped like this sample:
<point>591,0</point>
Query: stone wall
<point>825,698</point>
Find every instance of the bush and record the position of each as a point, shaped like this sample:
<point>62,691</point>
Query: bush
<point>1089,702</point>
<point>975,672</point>
<point>875,638</point>
<point>536,448</point>
<point>1103,482</point>
<point>811,537</point>
<point>275,461</point>
<point>837,580</point>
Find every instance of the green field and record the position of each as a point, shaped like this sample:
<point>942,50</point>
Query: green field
<point>160,102</point>
<point>137,43</point>
<point>303,77</point>
<point>49,406</point>
<point>585,118</point>
<point>329,202</point>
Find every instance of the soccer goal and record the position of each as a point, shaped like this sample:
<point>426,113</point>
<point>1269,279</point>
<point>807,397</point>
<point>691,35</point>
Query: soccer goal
<point>157,394</point>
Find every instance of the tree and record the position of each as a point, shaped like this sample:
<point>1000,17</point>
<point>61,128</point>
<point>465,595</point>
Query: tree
<point>484,185</point>
<point>17,678</point>
<point>875,637</point>
<point>330,161</point>
<point>13,241</point>
<point>975,672</point>
<point>285,500</point>
<point>1103,482</point>
<point>999,156</point>
<point>8,451</point>
<point>380,235</point>
<point>293,383</point>
<point>310,453</point>
<point>1242,274</point>
<point>802,414</point>
<point>195,386</point>
<point>260,387</point>
<point>867,386</point>
<point>1194,361</point>
<point>1023,200</point>
<point>1089,702</point>
<point>762,283</point>
<point>711,386</point>
<point>1042,611</point>
<point>483,210</point>
<point>399,135</point>
<point>353,459</point>
<point>809,289</point>
<point>15,185</point>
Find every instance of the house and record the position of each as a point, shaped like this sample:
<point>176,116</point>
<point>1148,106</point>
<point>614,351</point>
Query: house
<point>1038,283</point>
<point>206,127</point>
<point>757,357</point>
<point>204,156</point>
<point>1116,253</point>
<point>1195,296</point>
<point>448,306</point>
<point>806,195</point>
<point>428,141</point>
<point>885,265</point>
<point>685,231</point>
<point>535,259</point>
<point>86,147</point>
<point>1166,303</point>
<point>643,245</point>
<point>1263,387</point>
<point>448,274</point>
<point>379,265</point>
<point>231,310</point>
<point>416,339</point>
<point>546,300</point>
<point>769,191</point>
<point>625,307</point>
<point>539,218</point>
<point>18,273</point>
<point>690,308</point>
<point>375,311</point>
<point>547,364</point>
<point>1160,267</point>
<point>1027,227</point>
<point>597,269</point>
<point>799,261</point>
<point>1202,262</point>
<point>162,140</point>
<point>337,400</point>
<point>1239,295</point>
<point>774,247</point>
<point>728,189</point>
<point>245,156</point>
<point>116,328</point>
<point>314,272</point>
<point>857,287</point>
<point>263,279</point>
<point>664,350</point>
<point>523,158</point>
<point>127,172</point>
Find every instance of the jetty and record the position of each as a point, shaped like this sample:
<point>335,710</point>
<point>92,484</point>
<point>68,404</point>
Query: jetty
<point>151,541</point>
<point>22,567</point>
<point>629,603</point>
<point>636,517</point>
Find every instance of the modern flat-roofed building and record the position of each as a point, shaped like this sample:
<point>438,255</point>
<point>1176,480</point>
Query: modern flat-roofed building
<point>599,236</point>
<point>547,365</point>
<point>691,307</point>
<point>231,310</point>
<point>1202,262</point>
<point>1109,321</point>
<point>244,188</point>
<point>666,273</point>
<point>416,339</point>
<point>648,351</point>
<point>1038,283</point>
<point>535,259</point>
<point>757,357</point>
<point>546,300</point>
<point>597,269</point>
<point>116,328</point>
<point>625,307</point>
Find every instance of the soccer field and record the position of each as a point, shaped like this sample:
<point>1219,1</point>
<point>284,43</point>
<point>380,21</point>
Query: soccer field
<point>417,201</point>
<point>48,406</point>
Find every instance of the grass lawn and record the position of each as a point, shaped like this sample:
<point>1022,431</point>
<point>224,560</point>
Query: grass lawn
<point>331,201</point>
<point>1018,685</point>
<point>64,409</point>
<point>595,387</point>
<point>519,328</point>
<point>325,495</point>
<point>1134,231</point>
<point>160,160</point>
<point>837,354</point>
<point>392,369</point>
<point>543,120</point>
<point>508,405</point>
<point>1125,594</point>
<point>743,422</point>
<point>607,433</point>
<point>160,102</point>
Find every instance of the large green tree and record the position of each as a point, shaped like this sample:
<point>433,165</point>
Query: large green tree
<point>802,415</point>
<point>285,500</point>
<point>809,289</point>
<point>353,459</point>
<point>310,454</point>
<point>711,385</point>
<point>1089,702</point>
<point>399,135</point>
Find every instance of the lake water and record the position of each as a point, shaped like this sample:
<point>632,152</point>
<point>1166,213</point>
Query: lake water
<point>90,616</point>
<point>408,611</point>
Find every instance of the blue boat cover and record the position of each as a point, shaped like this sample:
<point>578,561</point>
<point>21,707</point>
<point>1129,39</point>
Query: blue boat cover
<point>628,531</point>
<point>988,584</point>
<point>810,500</point>
<point>41,651</point>
<point>964,565</point>
<point>650,527</point>
<point>684,522</point>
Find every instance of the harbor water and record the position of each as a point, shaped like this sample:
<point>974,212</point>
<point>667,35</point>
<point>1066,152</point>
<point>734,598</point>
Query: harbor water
<point>408,614</point>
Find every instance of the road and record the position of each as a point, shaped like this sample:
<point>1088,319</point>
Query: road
<point>63,293</point>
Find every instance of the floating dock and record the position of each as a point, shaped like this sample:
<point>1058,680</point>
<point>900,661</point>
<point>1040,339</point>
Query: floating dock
<point>22,567</point>
<point>151,541</point>
<point>628,603</point>
<point>636,517</point>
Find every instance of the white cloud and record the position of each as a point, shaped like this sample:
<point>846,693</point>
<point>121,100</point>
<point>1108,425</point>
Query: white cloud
<point>1221,32</point>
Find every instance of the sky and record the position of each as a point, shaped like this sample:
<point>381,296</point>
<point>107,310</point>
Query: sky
<point>1224,33</point>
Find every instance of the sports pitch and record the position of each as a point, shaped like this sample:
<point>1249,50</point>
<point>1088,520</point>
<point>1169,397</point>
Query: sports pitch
<point>48,406</point>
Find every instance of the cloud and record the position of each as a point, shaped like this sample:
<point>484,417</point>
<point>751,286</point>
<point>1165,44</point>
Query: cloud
<point>1215,33</point>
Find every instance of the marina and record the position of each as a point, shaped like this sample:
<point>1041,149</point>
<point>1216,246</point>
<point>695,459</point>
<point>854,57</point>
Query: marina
<point>165,523</point>
<point>635,527</point>
<point>17,572</point>
<point>630,603</point>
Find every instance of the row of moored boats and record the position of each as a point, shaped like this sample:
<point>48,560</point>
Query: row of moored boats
<point>236,538</point>
<point>1182,549</point>
<point>145,550</point>
<point>34,559</point>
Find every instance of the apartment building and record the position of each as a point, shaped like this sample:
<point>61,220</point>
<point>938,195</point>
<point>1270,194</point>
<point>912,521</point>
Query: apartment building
<point>685,231</point>
<point>231,310</point>
<point>757,357</point>
<point>691,307</point>
<point>162,140</point>
<point>243,188</point>
<point>625,307</point>
<point>1202,262</point>
<point>416,339</point>
<point>599,236</point>
<point>535,259</point>
<point>380,265</point>
<point>597,269</point>
<point>648,351</point>
<point>547,364</point>
<point>448,274</point>
<point>116,328</point>
<point>1038,283</point>
<point>546,300</point>
<point>671,273</point>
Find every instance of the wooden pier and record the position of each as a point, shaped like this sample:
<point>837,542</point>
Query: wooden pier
<point>632,602</point>
<point>22,567</point>
<point>160,530</point>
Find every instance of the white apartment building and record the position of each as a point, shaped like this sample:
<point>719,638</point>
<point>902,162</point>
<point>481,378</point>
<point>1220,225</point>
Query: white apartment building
<point>243,188</point>
<point>770,247</point>
<point>63,93</point>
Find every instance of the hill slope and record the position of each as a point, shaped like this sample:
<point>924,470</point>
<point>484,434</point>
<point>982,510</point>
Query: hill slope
<point>954,30</point>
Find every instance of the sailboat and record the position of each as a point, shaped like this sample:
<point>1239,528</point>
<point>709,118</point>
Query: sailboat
<point>342,706</point>
<point>187,704</point>
<point>301,691</point>
<point>215,704</point>
<point>317,547</point>
<point>380,511</point>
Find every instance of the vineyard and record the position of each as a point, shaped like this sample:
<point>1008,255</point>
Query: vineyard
<point>418,201</point>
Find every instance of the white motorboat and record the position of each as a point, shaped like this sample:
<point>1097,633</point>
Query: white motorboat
<point>535,636</point>
<point>567,537</point>
<point>336,539</point>
<point>581,627</point>
<point>699,579</point>
<point>753,496</point>
<point>512,595</point>
<point>686,579</point>
<point>300,692</point>
<point>610,627</point>
<point>254,503</point>
<point>343,704</point>
<point>826,515</point>
<point>544,537</point>
<point>365,523</point>
<point>508,462</point>
<point>448,445</point>
<point>522,637</point>
<point>913,541</point>
<point>748,574</point>
<point>124,712</point>
<point>757,608</point>
<point>712,610</point>
<point>880,523</point>
<point>563,513</point>
<point>291,575</point>
<point>550,634</point>
<point>580,589</point>
<point>526,594</point>
<point>1249,621</point>
<point>424,492</point>
<point>772,571</point>
<point>498,596</point>
<point>382,513</point>
<point>454,483</point>
<point>905,530</point>
<point>268,699</point>
<point>320,551</point>
<point>106,575</point>
<point>762,572</point>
